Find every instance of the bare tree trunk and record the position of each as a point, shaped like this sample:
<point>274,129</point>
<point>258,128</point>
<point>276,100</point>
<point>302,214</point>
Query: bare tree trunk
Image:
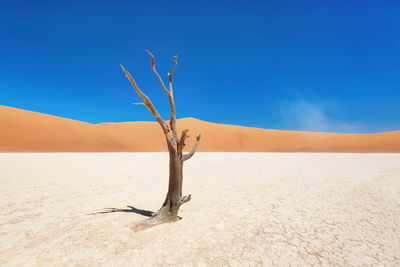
<point>174,199</point>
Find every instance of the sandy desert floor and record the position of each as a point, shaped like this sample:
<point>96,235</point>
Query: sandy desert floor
<point>246,209</point>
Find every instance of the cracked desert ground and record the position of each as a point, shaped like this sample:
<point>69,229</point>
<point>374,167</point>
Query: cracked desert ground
<point>255,209</point>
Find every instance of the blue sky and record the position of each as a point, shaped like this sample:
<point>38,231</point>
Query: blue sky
<point>294,65</point>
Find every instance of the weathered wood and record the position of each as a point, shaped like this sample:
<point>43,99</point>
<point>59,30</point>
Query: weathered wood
<point>191,153</point>
<point>147,102</point>
<point>173,200</point>
<point>172,103</point>
<point>169,93</point>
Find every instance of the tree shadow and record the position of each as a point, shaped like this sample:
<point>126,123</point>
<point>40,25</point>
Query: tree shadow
<point>146,213</point>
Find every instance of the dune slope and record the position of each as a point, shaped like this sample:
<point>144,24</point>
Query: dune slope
<point>28,131</point>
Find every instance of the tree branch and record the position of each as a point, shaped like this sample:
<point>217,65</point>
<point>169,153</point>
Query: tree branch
<point>148,104</point>
<point>172,121</point>
<point>181,143</point>
<point>153,67</point>
<point>191,153</point>
<point>171,74</point>
<point>169,93</point>
<point>185,199</point>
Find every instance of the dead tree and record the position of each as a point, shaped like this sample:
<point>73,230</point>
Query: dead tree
<point>174,199</point>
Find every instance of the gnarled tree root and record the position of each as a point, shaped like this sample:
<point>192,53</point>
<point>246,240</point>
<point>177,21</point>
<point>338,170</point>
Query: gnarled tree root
<point>163,215</point>
<point>153,221</point>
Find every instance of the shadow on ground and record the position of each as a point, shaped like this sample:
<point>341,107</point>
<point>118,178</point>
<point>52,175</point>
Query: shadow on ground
<point>146,213</point>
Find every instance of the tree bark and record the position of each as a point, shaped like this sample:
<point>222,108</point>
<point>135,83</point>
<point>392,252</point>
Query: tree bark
<point>174,199</point>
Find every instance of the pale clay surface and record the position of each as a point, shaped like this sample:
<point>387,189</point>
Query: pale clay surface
<point>247,209</point>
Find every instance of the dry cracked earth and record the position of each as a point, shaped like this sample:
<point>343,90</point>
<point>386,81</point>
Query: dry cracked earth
<point>247,209</point>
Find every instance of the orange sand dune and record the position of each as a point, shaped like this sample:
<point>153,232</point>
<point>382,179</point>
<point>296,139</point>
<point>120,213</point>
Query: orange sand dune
<point>23,130</point>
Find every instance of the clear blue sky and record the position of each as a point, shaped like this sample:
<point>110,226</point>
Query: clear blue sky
<point>296,65</point>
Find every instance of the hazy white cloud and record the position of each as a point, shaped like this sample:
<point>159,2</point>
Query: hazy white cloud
<point>309,116</point>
